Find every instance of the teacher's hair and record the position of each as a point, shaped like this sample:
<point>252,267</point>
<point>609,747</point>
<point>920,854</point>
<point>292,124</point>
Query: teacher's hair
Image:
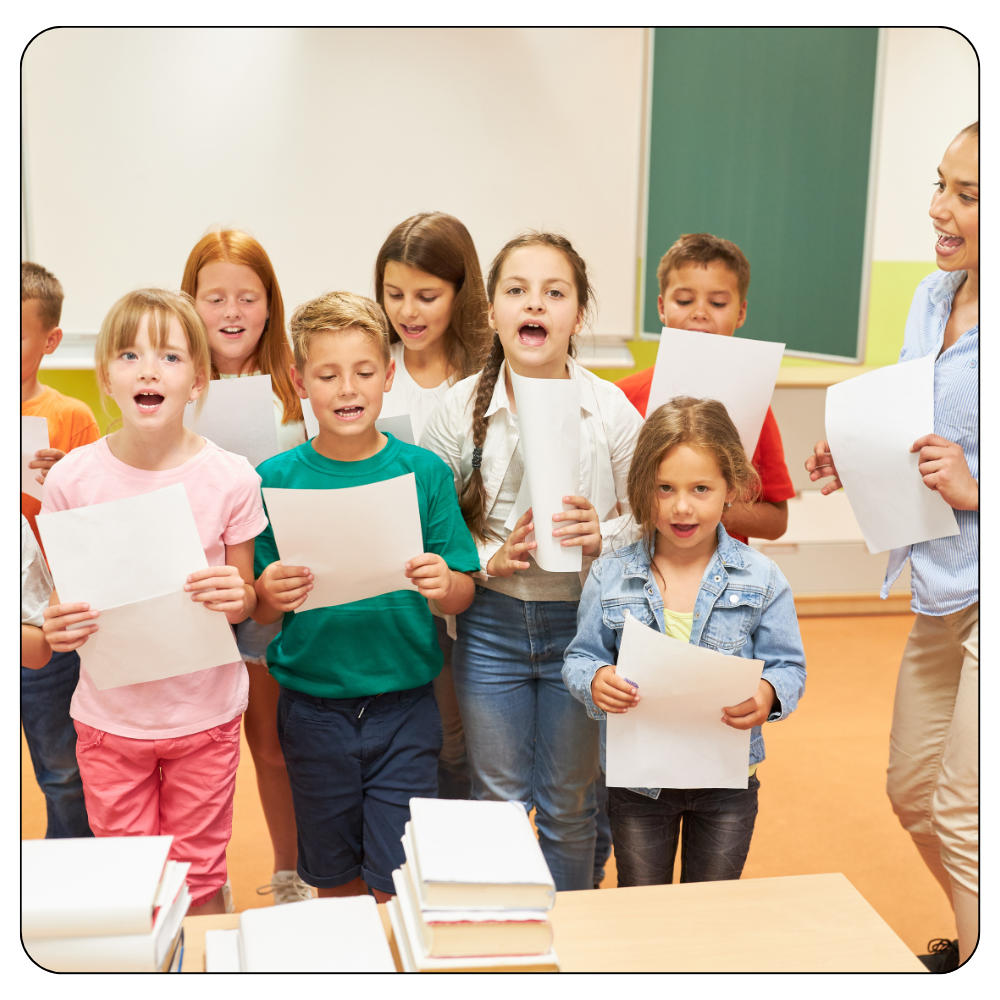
<point>702,424</point>
<point>472,499</point>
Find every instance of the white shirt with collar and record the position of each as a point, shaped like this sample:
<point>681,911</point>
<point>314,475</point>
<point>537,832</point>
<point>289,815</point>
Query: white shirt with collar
<point>609,426</point>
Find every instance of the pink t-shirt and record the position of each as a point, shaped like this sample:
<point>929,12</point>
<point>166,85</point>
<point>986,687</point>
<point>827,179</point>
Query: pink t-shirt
<point>224,493</point>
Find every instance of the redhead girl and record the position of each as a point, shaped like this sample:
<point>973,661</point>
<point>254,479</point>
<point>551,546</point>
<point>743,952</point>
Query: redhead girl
<point>528,739</point>
<point>236,293</point>
<point>429,283</point>
<point>160,757</point>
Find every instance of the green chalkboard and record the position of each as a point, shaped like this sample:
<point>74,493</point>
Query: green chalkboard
<point>763,136</point>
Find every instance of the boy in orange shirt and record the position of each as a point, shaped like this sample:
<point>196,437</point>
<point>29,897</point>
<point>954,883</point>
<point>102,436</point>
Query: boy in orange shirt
<point>47,690</point>
<point>703,286</point>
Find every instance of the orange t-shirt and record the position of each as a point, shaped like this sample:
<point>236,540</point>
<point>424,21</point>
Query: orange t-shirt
<point>768,459</point>
<point>71,424</point>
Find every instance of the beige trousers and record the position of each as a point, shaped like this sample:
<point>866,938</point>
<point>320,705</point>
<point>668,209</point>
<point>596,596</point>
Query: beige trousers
<point>933,774</point>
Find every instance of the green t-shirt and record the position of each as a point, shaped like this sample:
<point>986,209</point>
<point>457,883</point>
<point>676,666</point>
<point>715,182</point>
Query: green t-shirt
<point>385,643</point>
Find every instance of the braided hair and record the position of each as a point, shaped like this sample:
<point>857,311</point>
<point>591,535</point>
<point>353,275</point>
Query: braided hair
<point>473,497</point>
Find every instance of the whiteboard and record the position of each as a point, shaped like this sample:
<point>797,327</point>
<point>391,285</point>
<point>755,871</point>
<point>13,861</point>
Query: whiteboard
<point>318,142</point>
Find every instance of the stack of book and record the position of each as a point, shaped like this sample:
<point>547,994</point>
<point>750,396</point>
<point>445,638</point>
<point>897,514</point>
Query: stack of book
<point>337,934</point>
<point>475,891</point>
<point>108,904</point>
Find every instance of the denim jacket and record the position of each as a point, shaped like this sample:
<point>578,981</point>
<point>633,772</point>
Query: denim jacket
<point>744,608</point>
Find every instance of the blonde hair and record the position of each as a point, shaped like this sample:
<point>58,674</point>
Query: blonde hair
<point>121,326</point>
<point>702,249</point>
<point>42,286</point>
<point>335,312</point>
<point>273,357</point>
<point>703,424</point>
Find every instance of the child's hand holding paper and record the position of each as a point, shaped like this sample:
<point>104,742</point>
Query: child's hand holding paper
<point>221,588</point>
<point>752,712</point>
<point>284,588</point>
<point>62,625</point>
<point>612,693</point>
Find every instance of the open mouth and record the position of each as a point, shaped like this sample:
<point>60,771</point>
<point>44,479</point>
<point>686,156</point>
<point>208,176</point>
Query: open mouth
<point>232,332</point>
<point>683,530</point>
<point>148,402</point>
<point>412,331</point>
<point>349,412</point>
<point>532,334</point>
<point>947,244</point>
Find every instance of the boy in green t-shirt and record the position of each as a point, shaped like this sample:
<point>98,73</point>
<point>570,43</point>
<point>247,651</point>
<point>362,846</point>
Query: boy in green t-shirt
<point>357,719</point>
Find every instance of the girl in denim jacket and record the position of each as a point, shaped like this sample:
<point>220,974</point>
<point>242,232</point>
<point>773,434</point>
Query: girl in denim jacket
<point>689,579</point>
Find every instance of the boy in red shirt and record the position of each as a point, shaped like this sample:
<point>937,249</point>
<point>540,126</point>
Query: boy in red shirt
<point>46,691</point>
<point>703,286</point>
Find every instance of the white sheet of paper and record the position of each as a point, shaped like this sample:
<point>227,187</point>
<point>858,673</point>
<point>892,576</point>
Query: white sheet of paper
<point>312,424</point>
<point>675,738</point>
<point>871,422</point>
<point>740,373</point>
<point>399,426</point>
<point>548,416</point>
<point>123,551</point>
<point>150,640</point>
<point>34,437</point>
<point>356,541</point>
<point>129,559</point>
<point>238,416</point>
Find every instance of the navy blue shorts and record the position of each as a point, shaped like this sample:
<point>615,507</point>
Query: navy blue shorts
<point>354,764</point>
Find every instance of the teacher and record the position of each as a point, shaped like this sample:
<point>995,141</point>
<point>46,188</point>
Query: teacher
<point>933,775</point>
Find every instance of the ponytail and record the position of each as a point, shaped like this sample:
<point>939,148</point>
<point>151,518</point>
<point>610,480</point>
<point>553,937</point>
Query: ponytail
<point>473,499</point>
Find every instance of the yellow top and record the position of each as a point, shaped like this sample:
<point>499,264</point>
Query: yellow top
<point>677,625</point>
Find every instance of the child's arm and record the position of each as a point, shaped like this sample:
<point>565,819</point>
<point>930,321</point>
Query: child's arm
<point>777,642</point>
<point>280,589</point>
<point>453,591</point>
<point>757,520</point>
<point>228,588</point>
<point>591,653</point>
<point>35,651</point>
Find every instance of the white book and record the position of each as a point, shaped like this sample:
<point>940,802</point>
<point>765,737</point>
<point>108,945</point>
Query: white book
<point>414,959</point>
<point>474,933</point>
<point>338,934</point>
<point>90,886</point>
<point>476,856</point>
<point>122,952</point>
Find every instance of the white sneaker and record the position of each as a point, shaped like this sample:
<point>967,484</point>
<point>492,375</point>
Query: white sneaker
<point>227,897</point>
<point>287,887</point>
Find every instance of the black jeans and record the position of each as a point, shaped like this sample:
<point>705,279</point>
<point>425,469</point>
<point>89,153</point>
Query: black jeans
<point>718,825</point>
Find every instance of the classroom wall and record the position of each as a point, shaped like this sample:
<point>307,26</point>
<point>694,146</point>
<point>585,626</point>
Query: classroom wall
<point>307,129</point>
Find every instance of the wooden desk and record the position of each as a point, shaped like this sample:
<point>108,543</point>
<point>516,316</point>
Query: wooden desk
<point>801,923</point>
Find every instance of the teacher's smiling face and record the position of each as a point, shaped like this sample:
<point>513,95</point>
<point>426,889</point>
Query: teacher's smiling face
<point>955,206</point>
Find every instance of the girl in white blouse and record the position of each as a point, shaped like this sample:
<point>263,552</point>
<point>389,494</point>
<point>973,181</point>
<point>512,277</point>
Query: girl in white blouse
<point>236,294</point>
<point>428,281</point>
<point>528,739</point>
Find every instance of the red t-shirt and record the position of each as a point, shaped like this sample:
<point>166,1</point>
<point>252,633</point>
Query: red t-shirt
<point>768,459</point>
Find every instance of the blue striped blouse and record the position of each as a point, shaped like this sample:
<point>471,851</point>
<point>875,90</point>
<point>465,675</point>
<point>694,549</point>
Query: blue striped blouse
<point>944,572</point>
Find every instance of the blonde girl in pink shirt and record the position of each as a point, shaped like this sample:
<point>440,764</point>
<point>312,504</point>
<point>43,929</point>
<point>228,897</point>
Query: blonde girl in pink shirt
<point>160,757</point>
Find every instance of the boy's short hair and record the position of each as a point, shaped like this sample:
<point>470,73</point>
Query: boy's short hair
<point>44,287</point>
<point>704,249</point>
<point>337,311</point>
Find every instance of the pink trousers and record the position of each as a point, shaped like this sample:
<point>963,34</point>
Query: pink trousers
<point>182,786</point>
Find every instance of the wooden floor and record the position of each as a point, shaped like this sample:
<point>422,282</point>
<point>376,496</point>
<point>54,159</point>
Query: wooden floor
<point>822,799</point>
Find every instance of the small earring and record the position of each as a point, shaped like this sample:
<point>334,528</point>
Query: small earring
<point>190,401</point>
<point>729,505</point>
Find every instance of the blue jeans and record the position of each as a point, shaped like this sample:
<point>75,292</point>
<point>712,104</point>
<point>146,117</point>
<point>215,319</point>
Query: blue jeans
<point>602,851</point>
<point>718,825</point>
<point>454,779</point>
<point>51,739</point>
<point>528,739</point>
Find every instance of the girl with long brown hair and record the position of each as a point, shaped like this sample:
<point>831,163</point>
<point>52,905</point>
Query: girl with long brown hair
<point>430,286</point>
<point>229,276</point>
<point>528,740</point>
<point>685,577</point>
